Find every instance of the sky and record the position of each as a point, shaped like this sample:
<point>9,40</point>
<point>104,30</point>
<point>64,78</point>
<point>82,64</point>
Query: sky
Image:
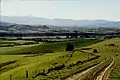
<point>63,9</point>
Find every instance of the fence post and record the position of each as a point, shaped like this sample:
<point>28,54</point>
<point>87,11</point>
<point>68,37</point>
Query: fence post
<point>26,74</point>
<point>10,77</point>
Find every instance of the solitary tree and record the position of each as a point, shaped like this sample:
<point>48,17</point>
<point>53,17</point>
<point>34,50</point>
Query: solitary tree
<point>69,47</point>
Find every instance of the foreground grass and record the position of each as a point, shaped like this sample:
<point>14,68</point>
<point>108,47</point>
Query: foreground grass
<point>115,73</point>
<point>42,64</point>
<point>27,62</point>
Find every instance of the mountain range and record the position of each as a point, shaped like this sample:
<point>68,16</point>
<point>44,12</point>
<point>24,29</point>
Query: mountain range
<point>26,20</point>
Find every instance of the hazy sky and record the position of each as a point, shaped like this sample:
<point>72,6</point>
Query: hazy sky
<point>65,9</point>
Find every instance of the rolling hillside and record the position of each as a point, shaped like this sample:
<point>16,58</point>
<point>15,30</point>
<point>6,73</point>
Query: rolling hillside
<point>60,22</point>
<point>62,65</point>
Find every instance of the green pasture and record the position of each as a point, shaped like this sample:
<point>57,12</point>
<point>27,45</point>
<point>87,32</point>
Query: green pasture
<point>44,47</point>
<point>29,58</point>
<point>36,64</point>
<point>113,51</point>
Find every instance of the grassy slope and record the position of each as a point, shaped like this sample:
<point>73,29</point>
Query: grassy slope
<point>7,58</point>
<point>28,63</point>
<point>115,73</point>
<point>33,67</point>
<point>38,63</point>
<point>43,48</point>
<point>110,51</point>
<point>57,47</point>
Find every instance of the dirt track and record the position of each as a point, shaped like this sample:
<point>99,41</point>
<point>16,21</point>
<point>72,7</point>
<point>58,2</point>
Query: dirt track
<point>102,76</point>
<point>76,76</point>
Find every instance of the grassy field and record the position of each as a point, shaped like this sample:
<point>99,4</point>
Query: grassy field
<point>58,65</point>
<point>44,48</point>
<point>36,63</point>
<point>115,73</point>
<point>44,65</point>
<point>7,58</point>
<point>113,51</point>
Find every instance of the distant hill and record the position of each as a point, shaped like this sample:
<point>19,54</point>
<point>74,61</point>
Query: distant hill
<point>43,25</point>
<point>21,28</point>
<point>60,22</point>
